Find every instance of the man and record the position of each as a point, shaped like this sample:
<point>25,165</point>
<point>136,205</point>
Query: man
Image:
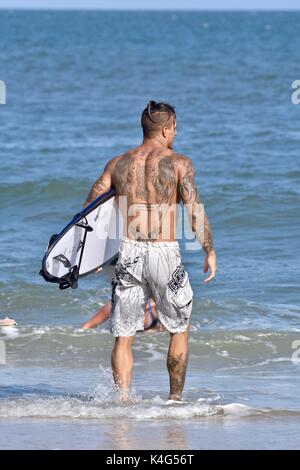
<point>154,179</point>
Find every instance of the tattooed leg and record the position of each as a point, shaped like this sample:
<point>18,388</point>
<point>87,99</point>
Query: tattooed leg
<point>177,363</point>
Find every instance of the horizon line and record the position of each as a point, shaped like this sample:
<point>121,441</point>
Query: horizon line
<point>208,10</point>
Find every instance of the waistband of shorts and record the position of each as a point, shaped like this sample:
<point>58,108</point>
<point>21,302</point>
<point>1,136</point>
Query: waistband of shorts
<point>147,243</point>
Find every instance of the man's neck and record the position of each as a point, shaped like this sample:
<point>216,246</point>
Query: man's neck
<point>154,142</point>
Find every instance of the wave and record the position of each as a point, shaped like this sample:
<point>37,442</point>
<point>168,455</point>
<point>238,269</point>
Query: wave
<point>87,407</point>
<point>219,349</point>
<point>29,192</point>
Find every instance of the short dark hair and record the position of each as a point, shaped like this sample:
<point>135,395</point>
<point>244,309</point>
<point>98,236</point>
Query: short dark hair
<point>155,116</point>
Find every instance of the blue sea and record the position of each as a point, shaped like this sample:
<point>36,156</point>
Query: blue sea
<point>76,84</point>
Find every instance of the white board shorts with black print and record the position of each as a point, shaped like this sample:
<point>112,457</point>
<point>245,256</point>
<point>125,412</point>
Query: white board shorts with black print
<point>149,269</point>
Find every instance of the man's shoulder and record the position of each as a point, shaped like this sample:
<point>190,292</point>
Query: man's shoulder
<point>119,163</point>
<point>112,163</point>
<point>124,156</point>
<point>182,161</point>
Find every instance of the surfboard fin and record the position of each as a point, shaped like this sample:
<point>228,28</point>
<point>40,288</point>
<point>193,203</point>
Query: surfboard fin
<point>70,279</point>
<point>52,239</point>
<point>63,259</point>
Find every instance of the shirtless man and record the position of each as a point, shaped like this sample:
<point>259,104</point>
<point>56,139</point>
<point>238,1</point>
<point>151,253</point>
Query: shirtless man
<point>154,179</point>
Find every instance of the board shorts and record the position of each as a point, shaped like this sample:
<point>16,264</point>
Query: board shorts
<point>144,270</point>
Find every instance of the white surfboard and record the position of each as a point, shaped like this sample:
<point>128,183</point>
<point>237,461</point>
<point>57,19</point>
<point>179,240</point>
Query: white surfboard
<point>88,242</point>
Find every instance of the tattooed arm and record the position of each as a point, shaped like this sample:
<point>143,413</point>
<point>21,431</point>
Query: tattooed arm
<point>102,184</point>
<point>190,196</point>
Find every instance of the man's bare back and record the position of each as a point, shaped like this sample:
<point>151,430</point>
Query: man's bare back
<point>153,180</point>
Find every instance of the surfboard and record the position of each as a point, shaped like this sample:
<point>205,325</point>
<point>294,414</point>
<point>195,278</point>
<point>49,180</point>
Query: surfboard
<point>88,242</point>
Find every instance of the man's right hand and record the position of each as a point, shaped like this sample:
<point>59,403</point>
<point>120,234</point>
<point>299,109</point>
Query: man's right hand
<point>210,263</point>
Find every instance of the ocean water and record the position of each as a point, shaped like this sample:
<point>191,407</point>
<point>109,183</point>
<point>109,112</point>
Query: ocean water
<point>76,85</point>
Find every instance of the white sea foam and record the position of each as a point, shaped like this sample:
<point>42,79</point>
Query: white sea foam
<point>139,410</point>
<point>242,338</point>
<point>223,353</point>
<point>10,332</point>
